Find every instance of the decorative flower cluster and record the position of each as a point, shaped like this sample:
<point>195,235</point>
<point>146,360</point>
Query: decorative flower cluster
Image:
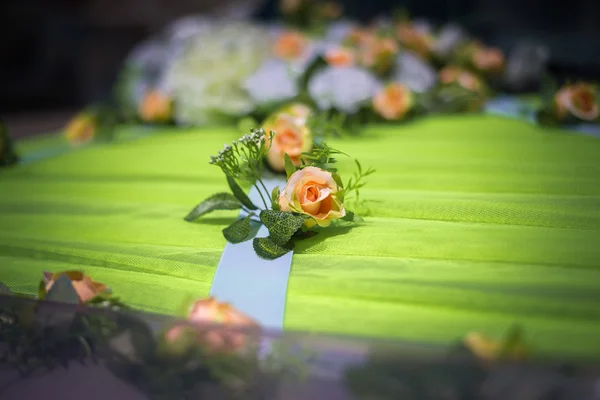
<point>571,103</point>
<point>313,196</point>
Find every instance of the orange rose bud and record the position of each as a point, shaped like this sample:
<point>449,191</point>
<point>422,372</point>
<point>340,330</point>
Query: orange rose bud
<point>393,102</point>
<point>214,327</point>
<point>156,107</point>
<point>81,128</point>
<point>339,57</point>
<point>292,137</point>
<point>579,100</point>
<point>85,287</point>
<point>290,45</point>
<point>488,59</point>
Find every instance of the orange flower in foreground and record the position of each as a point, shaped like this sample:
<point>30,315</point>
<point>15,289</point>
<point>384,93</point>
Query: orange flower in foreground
<point>393,102</point>
<point>488,59</point>
<point>290,46</point>
<point>292,137</point>
<point>417,41</point>
<point>214,326</point>
<point>85,287</point>
<point>81,128</point>
<point>579,99</point>
<point>339,57</point>
<point>156,107</point>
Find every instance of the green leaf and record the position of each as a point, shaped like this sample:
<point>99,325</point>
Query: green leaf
<point>351,217</point>
<point>338,179</point>
<point>239,230</point>
<point>267,249</point>
<point>275,198</point>
<point>282,225</point>
<point>290,168</point>
<point>219,201</point>
<point>63,291</point>
<point>239,193</point>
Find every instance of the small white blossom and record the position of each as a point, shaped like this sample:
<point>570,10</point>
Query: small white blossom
<point>450,37</point>
<point>275,81</point>
<point>414,72</point>
<point>344,89</point>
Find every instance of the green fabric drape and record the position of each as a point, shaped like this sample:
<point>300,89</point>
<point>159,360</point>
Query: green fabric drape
<point>472,223</point>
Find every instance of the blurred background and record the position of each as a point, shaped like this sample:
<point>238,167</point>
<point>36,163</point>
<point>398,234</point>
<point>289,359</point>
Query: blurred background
<point>58,55</point>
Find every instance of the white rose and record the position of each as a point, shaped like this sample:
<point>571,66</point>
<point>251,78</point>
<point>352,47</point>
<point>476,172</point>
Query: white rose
<point>415,73</point>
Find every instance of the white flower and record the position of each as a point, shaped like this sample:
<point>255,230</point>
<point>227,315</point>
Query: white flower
<point>275,81</point>
<point>415,73</point>
<point>344,89</point>
<point>450,37</point>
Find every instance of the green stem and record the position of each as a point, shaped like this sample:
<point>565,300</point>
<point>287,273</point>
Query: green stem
<point>264,187</point>
<point>261,196</point>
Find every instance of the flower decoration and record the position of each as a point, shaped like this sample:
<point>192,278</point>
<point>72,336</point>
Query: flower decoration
<point>488,60</point>
<point>414,72</point>
<point>393,102</point>
<point>415,39</point>
<point>216,326</point>
<point>84,286</point>
<point>571,103</point>
<point>340,57</point>
<point>313,195</point>
<point>379,54</point>
<point>331,88</point>
<point>292,136</point>
<point>82,128</point>
<point>290,46</point>
<point>273,83</point>
<point>156,107</point>
<point>450,38</point>
<point>464,78</point>
<point>7,153</point>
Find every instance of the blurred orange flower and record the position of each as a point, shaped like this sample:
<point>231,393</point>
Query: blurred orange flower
<point>81,128</point>
<point>379,54</point>
<point>85,287</point>
<point>290,45</point>
<point>214,327</point>
<point>156,107</point>
<point>393,102</point>
<point>489,60</point>
<point>466,79</point>
<point>412,39</point>
<point>339,57</point>
<point>579,99</point>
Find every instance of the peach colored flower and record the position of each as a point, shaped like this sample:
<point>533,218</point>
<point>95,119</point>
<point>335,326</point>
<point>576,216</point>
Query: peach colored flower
<point>156,107</point>
<point>379,54</point>
<point>488,59</point>
<point>339,57</point>
<point>292,137</point>
<point>313,192</point>
<point>216,326</point>
<point>85,287</point>
<point>393,102</point>
<point>359,37</point>
<point>466,79</point>
<point>579,99</point>
<point>290,46</point>
<point>412,39</point>
<point>81,128</point>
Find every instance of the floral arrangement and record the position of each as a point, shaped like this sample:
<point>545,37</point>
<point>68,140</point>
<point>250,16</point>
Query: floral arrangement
<point>314,194</point>
<point>76,319</point>
<point>7,152</point>
<point>570,104</point>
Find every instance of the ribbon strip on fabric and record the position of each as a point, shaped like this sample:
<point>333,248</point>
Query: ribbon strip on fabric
<point>254,286</point>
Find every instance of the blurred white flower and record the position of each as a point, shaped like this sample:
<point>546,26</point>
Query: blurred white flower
<point>414,72</point>
<point>339,30</point>
<point>275,81</point>
<point>344,89</point>
<point>423,26</point>
<point>206,80</point>
<point>450,37</point>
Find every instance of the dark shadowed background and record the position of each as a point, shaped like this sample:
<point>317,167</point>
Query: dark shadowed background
<point>62,54</point>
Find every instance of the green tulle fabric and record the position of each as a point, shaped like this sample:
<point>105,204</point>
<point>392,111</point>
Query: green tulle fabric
<point>472,223</point>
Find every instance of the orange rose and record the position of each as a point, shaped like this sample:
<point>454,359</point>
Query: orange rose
<point>155,107</point>
<point>449,74</point>
<point>579,99</point>
<point>339,57</point>
<point>379,54</point>
<point>464,78</point>
<point>393,102</point>
<point>214,325</point>
<point>488,59</point>
<point>414,40</point>
<point>313,192</point>
<point>81,128</point>
<point>85,287</point>
<point>290,46</point>
<point>292,137</point>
